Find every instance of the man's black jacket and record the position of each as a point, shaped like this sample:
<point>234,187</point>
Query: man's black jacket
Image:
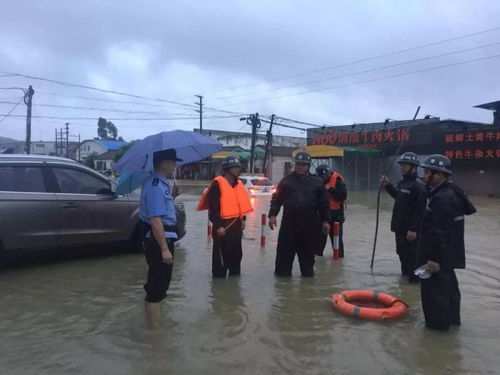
<point>443,226</point>
<point>303,198</point>
<point>409,208</point>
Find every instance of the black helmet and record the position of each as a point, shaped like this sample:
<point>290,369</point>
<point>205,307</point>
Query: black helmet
<point>409,158</point>
<point>439,163</point>
<point>231,161</point>
<point>322,169</point>
<point>302,157</point>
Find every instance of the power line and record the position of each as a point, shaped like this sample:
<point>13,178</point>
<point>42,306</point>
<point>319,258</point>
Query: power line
<point>105,109</point>
<point>12,110</point>
<point>368,80</point>
<point>11,88</point>
<point>224,111</point>
<point>360,72</point>
<point>67,84</point>
<point>192,106</point>
<point>300,122</point>
<point>123,119</point>
<point>397,52</point>
<point>102,99</point>
<point>284,125</point>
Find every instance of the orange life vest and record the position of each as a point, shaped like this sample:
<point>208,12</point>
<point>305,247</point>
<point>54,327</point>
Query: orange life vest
<point>234,201</point>
<point>334,204</point>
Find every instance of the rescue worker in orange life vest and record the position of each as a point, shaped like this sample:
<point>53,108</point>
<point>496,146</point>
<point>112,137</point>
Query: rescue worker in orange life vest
<point>228,202</point>
<point>305,210</point>
<point>442,246</point>
<point>337,194</point>
<point>407,214</point>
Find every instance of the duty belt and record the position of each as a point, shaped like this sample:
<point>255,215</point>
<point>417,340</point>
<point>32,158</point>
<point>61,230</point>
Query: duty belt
<point>169,228</point>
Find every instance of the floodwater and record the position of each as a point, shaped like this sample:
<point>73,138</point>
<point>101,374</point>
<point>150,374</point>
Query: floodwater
<point>85,316</point>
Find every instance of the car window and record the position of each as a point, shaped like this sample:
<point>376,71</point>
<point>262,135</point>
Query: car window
<point>22,178</point>
<point>243,180</point>
<point>261,182</point>
<point>74,181</point>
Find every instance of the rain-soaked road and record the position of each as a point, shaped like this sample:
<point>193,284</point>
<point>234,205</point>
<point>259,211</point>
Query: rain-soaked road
<point>85,316</point>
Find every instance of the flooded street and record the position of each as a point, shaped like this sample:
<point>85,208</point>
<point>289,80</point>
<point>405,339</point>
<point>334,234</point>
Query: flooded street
<point>85,316</point>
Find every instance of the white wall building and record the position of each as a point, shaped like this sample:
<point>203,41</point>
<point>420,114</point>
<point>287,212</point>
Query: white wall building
<point>90,146</point>
<point>106,161</point>
<point>244,140</point>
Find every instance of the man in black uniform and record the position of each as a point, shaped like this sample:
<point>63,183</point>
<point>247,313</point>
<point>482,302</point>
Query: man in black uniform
<point>305,203</point>
<point>337,194</point>
<point>407,214</point>
<point>442,247</point>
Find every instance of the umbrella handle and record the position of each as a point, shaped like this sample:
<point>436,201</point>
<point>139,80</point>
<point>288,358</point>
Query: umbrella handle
<point>145,162</point>
<point>175,179</point>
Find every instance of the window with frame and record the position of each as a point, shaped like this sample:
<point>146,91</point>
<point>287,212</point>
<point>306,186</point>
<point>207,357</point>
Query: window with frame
<point>20,178</point>
<point>74,181</point>
<point>261,182</point>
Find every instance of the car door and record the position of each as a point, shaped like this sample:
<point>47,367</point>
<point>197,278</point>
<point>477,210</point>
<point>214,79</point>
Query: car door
<point>90,212</point>
<point>29,213</point>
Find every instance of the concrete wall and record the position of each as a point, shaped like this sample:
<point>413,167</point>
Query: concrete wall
<point>476,178</point>
<point>277,171</point>
<point>45,148</point>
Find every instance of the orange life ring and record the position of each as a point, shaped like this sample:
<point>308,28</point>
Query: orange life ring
<point>394,308</point>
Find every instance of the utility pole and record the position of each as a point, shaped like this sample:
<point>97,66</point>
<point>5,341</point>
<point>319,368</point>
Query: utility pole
<point>61,144</point>
<point>269,145</point>
<point>200,111</point>
<point>57,144</point>
<point>28,98</point>
<point>79,149</point>
<point>255,122</point>
<point>67,139</point>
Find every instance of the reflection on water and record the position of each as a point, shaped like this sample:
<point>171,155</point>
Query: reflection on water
<point>85,316</point>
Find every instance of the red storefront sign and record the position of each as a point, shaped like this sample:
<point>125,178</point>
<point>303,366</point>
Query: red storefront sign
<point>473,144</point>
<point>362,139</point>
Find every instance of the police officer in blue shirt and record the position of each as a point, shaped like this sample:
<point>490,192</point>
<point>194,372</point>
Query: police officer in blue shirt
<point>157,211</point>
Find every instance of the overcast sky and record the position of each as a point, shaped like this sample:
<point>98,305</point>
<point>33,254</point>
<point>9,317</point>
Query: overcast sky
<point>240,55</point>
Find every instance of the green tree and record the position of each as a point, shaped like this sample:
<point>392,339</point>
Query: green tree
<point>106,130</point>
<point>90,161</point>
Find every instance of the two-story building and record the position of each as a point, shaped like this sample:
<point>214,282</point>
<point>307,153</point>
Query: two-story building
<point>98,147</point>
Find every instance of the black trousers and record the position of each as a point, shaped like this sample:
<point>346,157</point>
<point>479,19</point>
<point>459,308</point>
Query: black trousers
<point>290,242</point>
<point>323,238</point>
<point>441,300</point>
<point>407,252</point>
<point>226,251</point>
<point>159,273</point>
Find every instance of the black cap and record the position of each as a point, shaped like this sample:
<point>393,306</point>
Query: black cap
<point>439,163</point>
<point>231,161</point>
<point>409,158</point>
<point>169,154</point>
<point>302,157</point>
<point>322,169</point>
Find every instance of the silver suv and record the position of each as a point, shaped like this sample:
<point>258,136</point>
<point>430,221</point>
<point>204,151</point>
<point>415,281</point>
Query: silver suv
<point>51,202</point>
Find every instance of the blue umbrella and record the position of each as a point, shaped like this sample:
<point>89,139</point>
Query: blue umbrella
<point>129,181</point>
<point>138,160</point>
